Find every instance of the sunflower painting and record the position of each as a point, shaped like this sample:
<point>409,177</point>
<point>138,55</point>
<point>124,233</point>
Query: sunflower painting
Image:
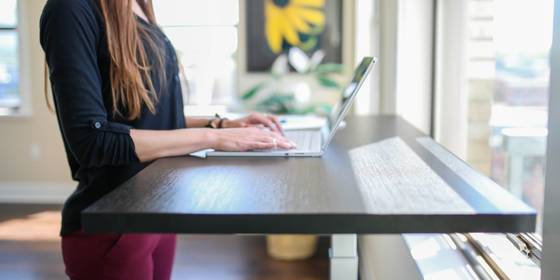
<point>287,19</point>
<point>275,26</point>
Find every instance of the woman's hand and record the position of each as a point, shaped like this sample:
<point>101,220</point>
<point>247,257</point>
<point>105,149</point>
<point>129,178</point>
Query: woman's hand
<point>249,138</point>
<point>255,119</point>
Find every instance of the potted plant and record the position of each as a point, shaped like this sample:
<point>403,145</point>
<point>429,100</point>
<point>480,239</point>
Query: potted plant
<point>279,94</point>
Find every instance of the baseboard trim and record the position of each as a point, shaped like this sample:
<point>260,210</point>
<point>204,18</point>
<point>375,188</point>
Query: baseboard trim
<point>36,192</point>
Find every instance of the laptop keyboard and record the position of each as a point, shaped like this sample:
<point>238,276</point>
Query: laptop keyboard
<point>305,139</point>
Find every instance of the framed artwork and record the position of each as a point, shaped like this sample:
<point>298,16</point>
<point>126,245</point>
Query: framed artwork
<point>275,26</point>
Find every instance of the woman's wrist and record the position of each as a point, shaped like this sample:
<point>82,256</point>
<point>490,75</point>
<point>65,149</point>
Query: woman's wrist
<point>227,123</point>
<point>199,139</point>
<point>212,138</point>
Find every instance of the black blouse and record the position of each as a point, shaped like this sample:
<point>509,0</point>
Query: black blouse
<point>98,145</point>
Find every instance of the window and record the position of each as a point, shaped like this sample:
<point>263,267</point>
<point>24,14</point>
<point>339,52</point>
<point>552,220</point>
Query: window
<point>9,69</point>
<point>508,76</point>
<point>506,83</point>
<point>204,34</point>
<point>521,96</point>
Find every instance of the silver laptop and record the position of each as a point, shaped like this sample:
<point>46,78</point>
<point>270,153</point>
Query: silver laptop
<point>314,142</point>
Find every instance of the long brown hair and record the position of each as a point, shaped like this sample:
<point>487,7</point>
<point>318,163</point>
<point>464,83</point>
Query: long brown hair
<point>131,83</point>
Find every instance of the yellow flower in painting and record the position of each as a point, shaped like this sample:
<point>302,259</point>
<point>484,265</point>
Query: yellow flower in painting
<point>286,19</point>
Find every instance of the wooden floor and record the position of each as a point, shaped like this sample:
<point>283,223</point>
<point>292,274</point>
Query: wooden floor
<point>30,249</point>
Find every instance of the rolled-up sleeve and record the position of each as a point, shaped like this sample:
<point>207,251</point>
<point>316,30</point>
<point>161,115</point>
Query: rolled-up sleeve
<point>70,34</point>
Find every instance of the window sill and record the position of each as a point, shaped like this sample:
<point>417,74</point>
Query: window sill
<point>14,113</point>
<point>437,257</point>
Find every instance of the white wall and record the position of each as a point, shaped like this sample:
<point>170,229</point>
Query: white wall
<point>451,80</point>
<point>414,62</point>
<point>405,59</point>
<point>367,43</point>
<point>387,12</point>
<point>31,148</point>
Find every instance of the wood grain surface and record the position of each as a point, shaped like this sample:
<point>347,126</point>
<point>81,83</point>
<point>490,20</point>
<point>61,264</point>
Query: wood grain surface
<point>313,195</point>
<point>393,179</point>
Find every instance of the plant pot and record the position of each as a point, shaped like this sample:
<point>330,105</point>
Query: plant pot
<point>291,247</point>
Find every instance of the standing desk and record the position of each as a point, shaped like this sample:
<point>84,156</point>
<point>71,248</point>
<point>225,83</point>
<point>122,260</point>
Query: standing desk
<point>379,175</point>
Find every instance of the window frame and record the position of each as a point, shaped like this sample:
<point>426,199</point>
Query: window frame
<point>549,268</point>
<point>22,29</point>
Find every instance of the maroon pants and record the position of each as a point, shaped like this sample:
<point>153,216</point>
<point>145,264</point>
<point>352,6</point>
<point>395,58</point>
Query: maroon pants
<point>118,256</point>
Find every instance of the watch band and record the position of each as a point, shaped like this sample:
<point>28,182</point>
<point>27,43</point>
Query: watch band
<point>211,122</point>
<point>221,122</point>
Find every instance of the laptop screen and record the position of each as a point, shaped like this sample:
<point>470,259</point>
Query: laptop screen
<point>340,109</point>
<point>350,90</point>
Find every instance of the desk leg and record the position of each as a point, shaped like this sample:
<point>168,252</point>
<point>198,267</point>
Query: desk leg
<point>344,257</point>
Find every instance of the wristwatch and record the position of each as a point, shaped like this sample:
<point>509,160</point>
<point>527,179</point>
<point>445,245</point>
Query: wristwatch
<point>216,122</point>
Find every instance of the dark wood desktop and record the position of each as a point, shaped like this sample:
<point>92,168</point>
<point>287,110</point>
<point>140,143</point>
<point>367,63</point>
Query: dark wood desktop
<point>325,195</point>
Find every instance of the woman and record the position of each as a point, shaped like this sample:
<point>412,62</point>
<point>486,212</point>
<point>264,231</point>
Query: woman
<point>118,101</point>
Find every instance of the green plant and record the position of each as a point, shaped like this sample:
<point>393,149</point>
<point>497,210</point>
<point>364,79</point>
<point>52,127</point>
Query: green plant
<point>277,95</point>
